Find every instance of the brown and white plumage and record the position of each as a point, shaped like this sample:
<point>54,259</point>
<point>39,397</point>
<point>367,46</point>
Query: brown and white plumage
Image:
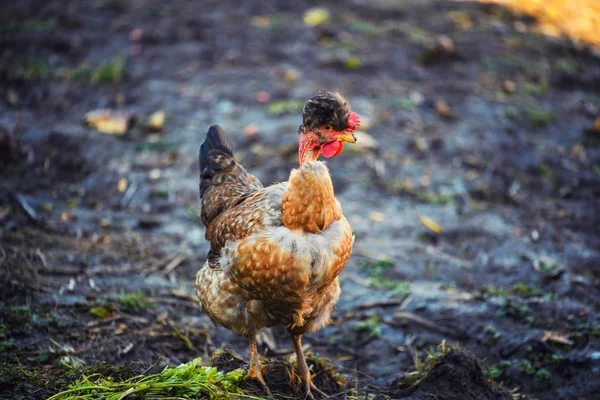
<point>276,252</point>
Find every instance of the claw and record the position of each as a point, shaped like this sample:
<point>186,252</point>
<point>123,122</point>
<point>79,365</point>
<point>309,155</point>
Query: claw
<point>254,366</point>
<point>306,380</point>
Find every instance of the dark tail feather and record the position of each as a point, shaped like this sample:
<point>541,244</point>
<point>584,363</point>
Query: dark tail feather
<point>216,139</point>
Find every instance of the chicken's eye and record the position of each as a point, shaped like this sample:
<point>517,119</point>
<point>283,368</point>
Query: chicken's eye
<point>326,128</point>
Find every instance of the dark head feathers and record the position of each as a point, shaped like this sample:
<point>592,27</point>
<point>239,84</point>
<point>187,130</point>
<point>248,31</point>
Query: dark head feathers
<point>325,108</point>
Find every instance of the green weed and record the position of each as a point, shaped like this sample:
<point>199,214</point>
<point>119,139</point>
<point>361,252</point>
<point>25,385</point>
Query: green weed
<point>279,107</point>
<point>190,380</point>
<point>372,326</point>
<point>539,118</point>
<point>133,303</point>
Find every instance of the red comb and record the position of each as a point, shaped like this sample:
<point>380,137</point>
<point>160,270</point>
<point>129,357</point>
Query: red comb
<point>353,122</point>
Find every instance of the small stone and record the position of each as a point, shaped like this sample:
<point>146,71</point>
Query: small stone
<point>149,222</point>
<point>250,130</point>
<point>263,97</point>
<point>509,86</point>
<point>154,174</point>
<point>136,34</point>
<point>421,144</point>
<point>12,98</point>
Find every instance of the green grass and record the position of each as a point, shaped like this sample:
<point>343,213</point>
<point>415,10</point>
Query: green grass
<point>160,146</point>
<point>280,107</point>
<point>540,118</point>
<point>7,344</point>
<point>133,303</point>
<point>365,27</point>
<point>405,103</point>
<point>31,25</point>
<point>434,198</point>
<point>548,173</point>
<point>372,326</point>
<point>107,72</point>
<point>497,370</point>
<point>111,72</point>
<point>186,381</point>
<point>534,89</point>
<point>100,312</point>
<point>499,63</point>
<point>422,365</point>
<point>523,289</point>
<point>33,68</point>
<point>376,269</point>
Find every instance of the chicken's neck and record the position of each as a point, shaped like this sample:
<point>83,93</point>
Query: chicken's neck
<point>309,149</point>
<point>309,204</point>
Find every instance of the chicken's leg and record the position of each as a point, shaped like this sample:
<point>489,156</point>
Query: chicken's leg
<point>254,364</point>
<point>303,371</point>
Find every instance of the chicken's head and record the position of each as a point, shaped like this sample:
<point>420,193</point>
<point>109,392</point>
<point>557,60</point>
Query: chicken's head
<point>326,124</point>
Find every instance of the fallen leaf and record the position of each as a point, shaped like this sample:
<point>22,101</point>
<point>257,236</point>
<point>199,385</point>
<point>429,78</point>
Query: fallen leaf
<point>121,328</point>
<point>376,216</point>
<point>122,185</point>
<point>100,312</point>
<point>509,86</point>
<point>557,337</point>
<point>108,122</point>
<point>352,63</point>
<point>261,21</point>
<point>444,110</point>
<point>316,16</point>
<point>430,224</point>
<point>156,121</point>
<point>290,74</point>
<point>578,152</point>
<point>445,44</point>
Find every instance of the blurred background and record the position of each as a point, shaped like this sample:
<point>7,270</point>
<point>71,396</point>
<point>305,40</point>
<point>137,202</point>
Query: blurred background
<point>473,188</point>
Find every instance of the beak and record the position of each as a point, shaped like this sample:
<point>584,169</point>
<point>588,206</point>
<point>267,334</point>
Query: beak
<point>346,137</point>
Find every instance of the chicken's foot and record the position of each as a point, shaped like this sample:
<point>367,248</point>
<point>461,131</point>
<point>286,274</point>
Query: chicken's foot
<point>303,371</point>
<point>254,365</point>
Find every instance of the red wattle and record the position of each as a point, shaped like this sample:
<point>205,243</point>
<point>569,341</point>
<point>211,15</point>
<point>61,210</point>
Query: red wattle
<point>332,149</point>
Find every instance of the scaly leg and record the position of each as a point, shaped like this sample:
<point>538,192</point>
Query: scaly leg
<point>303,371</point>
<point>254,364</point>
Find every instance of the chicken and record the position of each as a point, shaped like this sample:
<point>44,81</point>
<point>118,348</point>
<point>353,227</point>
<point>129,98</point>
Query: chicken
<point>276,252</point>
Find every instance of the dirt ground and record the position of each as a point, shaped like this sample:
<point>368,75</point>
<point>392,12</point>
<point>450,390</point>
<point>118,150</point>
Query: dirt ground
<point>473,189</point>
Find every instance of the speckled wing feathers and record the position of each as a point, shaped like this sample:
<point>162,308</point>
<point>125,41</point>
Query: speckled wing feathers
<point>223,182</point>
